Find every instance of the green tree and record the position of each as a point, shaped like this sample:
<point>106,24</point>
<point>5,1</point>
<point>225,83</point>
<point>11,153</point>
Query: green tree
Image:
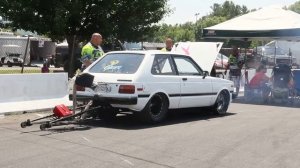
<point>178,32</point>
<point>207,21</point>
<point>64,19</point>
<point>295,7</point>
<point>192,32</point>
<point>228,9</point>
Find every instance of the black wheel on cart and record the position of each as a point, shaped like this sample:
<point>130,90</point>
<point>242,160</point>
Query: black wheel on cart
<point>23,124</point>
<point>26,123</point>
<point>44,126</point>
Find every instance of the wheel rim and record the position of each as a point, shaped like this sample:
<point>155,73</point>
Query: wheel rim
<point>221,102</point>
<point>156,105</point>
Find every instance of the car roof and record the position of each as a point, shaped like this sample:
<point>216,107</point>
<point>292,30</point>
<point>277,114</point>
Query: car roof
<point>144,52</point>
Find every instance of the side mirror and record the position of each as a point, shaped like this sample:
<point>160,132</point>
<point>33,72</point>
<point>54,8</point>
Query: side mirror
<point>205,74</point>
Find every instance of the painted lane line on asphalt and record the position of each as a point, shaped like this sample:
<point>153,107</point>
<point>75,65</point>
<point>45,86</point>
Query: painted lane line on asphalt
<point>127,161</point>
<point>86,139</point>
<point>93,147</point>
<point>40,115</point>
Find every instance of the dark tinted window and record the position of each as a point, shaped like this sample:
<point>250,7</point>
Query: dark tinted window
<point>118,63</point>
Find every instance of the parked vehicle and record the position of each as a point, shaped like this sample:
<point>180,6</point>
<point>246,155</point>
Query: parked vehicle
<point>221,61</point>
<point>290,47</point>
<point>150,83</point>
<point>274,55</point>
<point>12,55</point>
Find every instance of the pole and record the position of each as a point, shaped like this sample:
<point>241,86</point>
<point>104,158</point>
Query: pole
<point>245,63</point>
<point>71,71</point>
<point>275,62</point>
<point>196,25</point>
<point>71,67</point>
<point>291,57</point>
<point>25,54</point>
<point>74,96</point>
<point>222,60</point>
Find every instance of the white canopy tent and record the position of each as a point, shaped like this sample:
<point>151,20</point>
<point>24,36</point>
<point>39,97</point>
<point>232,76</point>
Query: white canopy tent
<point>266,23</point>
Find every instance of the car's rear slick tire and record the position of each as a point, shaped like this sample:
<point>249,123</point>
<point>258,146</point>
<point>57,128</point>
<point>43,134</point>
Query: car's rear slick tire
<point>9,64</point>
<point>221,105</point>
<point>106,112</point>
<point>156,109</point>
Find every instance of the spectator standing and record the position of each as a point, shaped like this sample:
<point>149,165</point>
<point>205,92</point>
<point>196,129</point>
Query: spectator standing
<point>169,45</point>
<point>92,50</point>
<point>45,68</point>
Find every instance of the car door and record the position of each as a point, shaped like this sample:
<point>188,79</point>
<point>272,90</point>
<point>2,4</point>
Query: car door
<point>196,90</point>
<point>166,79</point>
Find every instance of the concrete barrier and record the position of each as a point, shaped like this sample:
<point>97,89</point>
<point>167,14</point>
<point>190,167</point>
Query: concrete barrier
<point>27,92</point>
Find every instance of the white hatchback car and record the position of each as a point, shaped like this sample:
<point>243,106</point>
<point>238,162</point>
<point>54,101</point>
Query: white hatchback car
<point>152,82</point>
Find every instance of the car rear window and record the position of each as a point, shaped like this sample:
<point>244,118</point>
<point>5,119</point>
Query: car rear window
<point>119,63</point>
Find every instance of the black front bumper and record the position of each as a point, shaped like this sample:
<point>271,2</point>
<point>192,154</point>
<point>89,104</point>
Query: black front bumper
<point>128,100</point>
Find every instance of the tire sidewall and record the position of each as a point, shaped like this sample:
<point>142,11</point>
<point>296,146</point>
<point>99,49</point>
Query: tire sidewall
<point>225,106</point>
<point>161,115</point>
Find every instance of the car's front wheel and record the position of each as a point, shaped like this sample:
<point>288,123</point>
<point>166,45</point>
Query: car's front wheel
<point>156,109</point>
<point>221,105</point>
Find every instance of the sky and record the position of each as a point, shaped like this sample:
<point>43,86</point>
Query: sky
<point>185,10</point>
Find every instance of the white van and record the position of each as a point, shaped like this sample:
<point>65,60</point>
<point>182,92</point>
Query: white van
<point>11,55</point>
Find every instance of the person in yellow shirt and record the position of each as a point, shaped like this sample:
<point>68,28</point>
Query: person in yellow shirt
<point>169,45</point>
<point>92,50</point>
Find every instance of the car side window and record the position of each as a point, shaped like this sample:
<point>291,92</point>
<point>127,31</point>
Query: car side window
<point>162,65</point>
<point>186,66</point>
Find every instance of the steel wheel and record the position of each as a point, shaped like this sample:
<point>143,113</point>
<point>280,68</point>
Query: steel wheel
<point>156,109</point>
<point>222,103</point>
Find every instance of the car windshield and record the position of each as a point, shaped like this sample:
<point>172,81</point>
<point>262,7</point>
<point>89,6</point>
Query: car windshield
<point>120,63</point>
<point>221,56</point>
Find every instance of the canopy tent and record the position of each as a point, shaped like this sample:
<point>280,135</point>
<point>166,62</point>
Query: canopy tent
<point>266,23</point>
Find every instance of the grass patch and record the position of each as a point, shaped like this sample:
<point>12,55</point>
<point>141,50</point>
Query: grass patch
<point>18,71</point>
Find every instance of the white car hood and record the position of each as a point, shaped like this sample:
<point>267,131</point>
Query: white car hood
<point>204,53</point>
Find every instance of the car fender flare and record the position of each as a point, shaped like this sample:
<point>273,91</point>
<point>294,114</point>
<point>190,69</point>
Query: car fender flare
<point>223,89</point>
<point>158,92</point>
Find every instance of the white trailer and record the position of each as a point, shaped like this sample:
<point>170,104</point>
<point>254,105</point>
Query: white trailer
<point>290,47</point>
<point>14,45</point>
